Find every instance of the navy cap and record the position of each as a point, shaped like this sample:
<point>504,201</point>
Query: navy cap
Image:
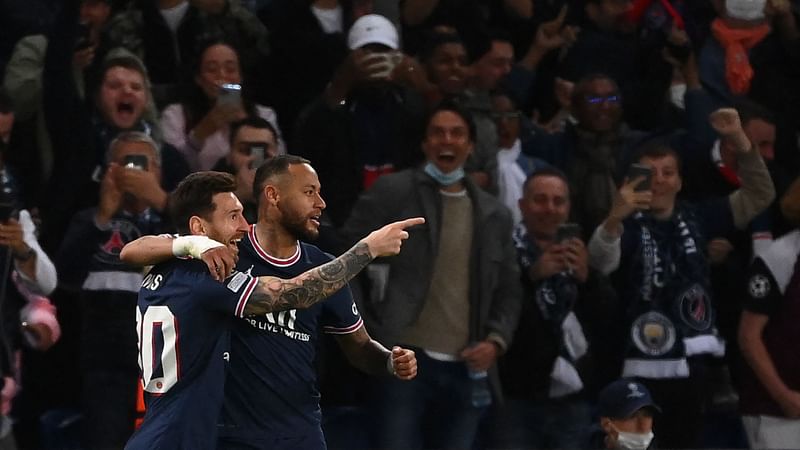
<point>623,398</point>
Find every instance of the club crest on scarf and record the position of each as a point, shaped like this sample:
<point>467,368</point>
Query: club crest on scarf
<point>694,308</point>
<point>653,333</point>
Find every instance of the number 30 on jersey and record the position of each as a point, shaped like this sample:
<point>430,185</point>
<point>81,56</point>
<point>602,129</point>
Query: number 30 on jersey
<point>157,330</point>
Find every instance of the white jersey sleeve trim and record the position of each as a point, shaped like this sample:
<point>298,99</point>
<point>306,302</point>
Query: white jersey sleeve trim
<point>351,329</point>
<point>245,297</point>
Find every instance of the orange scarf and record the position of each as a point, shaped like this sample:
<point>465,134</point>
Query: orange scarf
<point>736,42</point>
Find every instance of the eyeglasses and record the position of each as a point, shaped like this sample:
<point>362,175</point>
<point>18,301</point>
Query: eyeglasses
<point>505,115</point>
<point>596,99</point>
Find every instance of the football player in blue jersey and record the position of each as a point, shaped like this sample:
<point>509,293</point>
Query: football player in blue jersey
<point>271,396</point>
<point>184,315</point>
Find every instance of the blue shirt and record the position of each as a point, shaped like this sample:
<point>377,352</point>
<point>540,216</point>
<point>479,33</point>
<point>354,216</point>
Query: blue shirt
<point>183,319</point>
<point>271,388</point>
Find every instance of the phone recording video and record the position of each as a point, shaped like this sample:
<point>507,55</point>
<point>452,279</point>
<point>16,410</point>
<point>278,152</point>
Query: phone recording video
<point>230,95</point>
<point>640,170</point>
<point>137,162</point>
<point>567,231</point>
<point>258,151</point>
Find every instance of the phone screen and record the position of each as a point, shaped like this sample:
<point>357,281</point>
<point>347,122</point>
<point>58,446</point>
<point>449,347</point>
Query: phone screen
<point>567,231</point>
<point>258,151</point>
<point>640,170</point>
<point>138,162</point>
<point>230,94</point>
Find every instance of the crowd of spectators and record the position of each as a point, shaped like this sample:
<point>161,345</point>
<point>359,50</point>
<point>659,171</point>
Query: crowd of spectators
<point>547,267</point>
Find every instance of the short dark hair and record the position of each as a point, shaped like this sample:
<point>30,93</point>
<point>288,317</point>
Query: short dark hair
<point>579,93</point>
<point>436,39</point>
<point>127,61</point>
<point>546,171</point>
<point>455,108</point>
<point>481,42</point>
<point>657,149</point>
<point>194,196</point>
<point>749,110</point>
<point>272,167</point>
<point>253,122</point>
<point>204,44</point>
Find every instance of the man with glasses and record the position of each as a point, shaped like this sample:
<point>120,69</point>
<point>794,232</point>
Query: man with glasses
<point>592,150</point>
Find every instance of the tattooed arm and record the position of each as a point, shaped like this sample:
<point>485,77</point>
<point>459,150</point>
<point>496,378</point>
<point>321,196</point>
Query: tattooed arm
<point>276,294</point>
<point>311,287</point>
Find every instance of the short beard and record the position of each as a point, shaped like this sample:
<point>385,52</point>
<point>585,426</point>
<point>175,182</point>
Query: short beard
<point>296,226</point>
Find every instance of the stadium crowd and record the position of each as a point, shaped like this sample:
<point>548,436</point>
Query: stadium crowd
<point>610,189</point>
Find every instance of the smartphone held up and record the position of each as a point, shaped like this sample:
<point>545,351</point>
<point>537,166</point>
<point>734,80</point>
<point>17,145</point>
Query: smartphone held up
<point>640,171</point>
<point>230,94</point>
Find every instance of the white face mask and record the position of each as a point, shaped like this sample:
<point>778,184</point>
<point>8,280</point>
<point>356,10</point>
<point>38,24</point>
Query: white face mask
<point>676,93</point>
<point>633,441</point>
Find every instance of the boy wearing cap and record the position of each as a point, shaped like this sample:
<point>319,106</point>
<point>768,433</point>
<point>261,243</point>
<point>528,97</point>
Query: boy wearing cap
<point>626,416</point>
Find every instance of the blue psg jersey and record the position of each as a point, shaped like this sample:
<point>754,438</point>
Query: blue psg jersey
<point>183,321</point>
<point>271,388</point>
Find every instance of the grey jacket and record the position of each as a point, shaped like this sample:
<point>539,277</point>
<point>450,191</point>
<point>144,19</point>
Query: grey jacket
<point>495,288</point>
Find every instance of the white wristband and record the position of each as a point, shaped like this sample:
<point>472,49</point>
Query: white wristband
<point>193,246</point>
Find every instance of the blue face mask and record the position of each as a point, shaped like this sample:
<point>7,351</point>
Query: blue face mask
<point>445,179</point>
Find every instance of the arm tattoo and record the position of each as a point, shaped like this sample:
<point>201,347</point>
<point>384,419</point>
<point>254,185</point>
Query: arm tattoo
<point>311,287</point>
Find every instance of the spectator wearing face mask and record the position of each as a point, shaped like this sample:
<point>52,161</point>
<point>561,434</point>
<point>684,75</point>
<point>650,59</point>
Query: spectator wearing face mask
<point>656,248</point>
<point>748,36</point>
<point>626,412</point>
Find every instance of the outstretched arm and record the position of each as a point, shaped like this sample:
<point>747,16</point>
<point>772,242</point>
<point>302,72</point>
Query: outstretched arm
<point>313,286</point>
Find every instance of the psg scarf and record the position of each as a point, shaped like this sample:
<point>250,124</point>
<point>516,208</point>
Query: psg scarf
<point>555,299</point>
<point>667,289</point>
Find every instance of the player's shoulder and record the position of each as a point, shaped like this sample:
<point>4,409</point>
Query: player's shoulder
<point>314,254</point>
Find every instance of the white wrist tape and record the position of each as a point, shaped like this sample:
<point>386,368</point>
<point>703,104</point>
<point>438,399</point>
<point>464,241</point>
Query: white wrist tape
<point>193,246</point>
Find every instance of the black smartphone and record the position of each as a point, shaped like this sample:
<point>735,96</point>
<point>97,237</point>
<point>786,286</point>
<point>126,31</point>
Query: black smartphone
<point>230,94</point>
<point>258,151</point>
<point>84,39</point>
<point>138,162</point>
<point>637,170</point>
<point>567,231</point>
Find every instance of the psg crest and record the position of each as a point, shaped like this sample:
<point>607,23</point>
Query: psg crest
<point>694,308</point>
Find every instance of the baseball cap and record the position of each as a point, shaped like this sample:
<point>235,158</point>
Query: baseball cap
<point>623,398</point>
<point>373,29</point>
<point>745,9</point>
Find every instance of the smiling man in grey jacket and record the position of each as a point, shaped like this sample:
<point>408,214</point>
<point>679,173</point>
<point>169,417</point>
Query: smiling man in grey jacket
<point>454,295</point>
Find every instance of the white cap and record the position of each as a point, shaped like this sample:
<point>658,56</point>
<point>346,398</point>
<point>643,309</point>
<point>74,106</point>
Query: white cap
<point>373,29</point>
<point>745,9</point>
